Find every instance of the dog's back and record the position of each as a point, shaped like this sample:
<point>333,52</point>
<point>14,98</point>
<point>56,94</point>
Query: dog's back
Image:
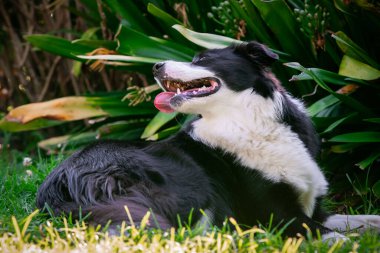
<point>167,178</point>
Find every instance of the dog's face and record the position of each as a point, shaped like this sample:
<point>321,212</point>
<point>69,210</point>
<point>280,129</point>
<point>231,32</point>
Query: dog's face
<point>213,77</point>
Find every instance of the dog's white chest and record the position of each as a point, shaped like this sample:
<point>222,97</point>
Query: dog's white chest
<point>269,147</point>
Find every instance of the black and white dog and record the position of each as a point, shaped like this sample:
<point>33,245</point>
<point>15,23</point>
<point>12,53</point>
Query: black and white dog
<point>250,154</point>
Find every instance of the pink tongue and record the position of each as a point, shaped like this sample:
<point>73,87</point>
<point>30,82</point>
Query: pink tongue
<point>162,101</point>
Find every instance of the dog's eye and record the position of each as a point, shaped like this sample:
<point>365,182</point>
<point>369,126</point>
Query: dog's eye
<point>199,59</point>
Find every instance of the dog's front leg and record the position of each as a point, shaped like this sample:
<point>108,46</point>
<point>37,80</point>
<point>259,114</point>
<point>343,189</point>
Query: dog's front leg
<point>358,223</point>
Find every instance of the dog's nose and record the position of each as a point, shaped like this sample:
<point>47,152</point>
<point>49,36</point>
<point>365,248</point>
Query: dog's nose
<point>157,66</point>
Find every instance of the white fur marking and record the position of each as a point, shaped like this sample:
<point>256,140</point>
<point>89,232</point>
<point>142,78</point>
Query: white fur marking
<point>180,71</point>
<point>246,124</point>
<point>252,133</point>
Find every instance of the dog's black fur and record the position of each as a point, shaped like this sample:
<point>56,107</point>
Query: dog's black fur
<point>179,175</point>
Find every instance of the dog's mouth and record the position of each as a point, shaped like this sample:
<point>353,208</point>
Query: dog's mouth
<point>175,88</point>
<point>193,88</point>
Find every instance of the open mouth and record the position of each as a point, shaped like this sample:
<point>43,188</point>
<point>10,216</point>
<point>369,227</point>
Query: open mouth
<point>177,91</point>
<point>194,88</point>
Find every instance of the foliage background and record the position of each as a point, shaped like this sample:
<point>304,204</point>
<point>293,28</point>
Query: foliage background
<point>329,50</point>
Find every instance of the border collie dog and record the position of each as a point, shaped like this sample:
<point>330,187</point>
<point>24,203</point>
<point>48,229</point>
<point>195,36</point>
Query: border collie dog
<point>249,154</point>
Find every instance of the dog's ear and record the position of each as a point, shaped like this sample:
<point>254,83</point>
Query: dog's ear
<point>260,53</point>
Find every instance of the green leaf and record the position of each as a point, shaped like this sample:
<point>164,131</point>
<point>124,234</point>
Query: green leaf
<point>74,139</point>
<point>59,46</point>
<point>121,130</point>
<point>114,106</point>
<point>111,45</point>
<point>118,128</point>
<point>369,160</point>
<point>164,133</point>
<point>10,126</point>
<point>344,148</point>
<point>373,120</point>
<point>356,69</point>
<point>326,76</point>
<point>206,40</point>
<point>124,58</point>
<point>353,50</point>
<point>349,101</point>
<point>210,41</point>
<point>131,16</point>
<point>167,22</point>
<point>280,19</point>
<point>162,15</point>
<point>314,76</point>
<point>343,7</point>
<point>89,38</point>
<point>90,33</point>
<point>132,42</point>
<point>157,122</point>
<point>322,104</point>
<point>357,137</point>
<point>255,24</point>
<point>360,188</point>
<point>376,189</point>
<point>338,122</point>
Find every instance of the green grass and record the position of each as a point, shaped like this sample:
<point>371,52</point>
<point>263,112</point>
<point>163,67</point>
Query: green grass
<point>22,228</point>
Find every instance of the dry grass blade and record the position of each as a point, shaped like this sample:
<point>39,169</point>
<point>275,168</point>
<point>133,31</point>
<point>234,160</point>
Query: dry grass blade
<point>67,108</point>
<point>98,65</point>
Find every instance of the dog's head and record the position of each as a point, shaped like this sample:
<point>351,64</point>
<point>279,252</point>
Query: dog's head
<point>192,87</point>
<point>232,81</point>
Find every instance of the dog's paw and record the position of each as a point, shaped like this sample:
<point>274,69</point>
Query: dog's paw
<point>372,221</point>
<point>353,222</point>
<point>333,237</point>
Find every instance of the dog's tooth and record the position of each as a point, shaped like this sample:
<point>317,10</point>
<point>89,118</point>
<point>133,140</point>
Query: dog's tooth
<point>178,91</point>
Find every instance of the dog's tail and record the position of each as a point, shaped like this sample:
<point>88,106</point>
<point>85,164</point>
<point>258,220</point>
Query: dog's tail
<point>54,193</point>
<point>100,196</point>
<point>124,210</point>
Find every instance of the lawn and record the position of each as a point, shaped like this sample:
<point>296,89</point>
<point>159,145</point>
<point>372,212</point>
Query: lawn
<point>23,228</point>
